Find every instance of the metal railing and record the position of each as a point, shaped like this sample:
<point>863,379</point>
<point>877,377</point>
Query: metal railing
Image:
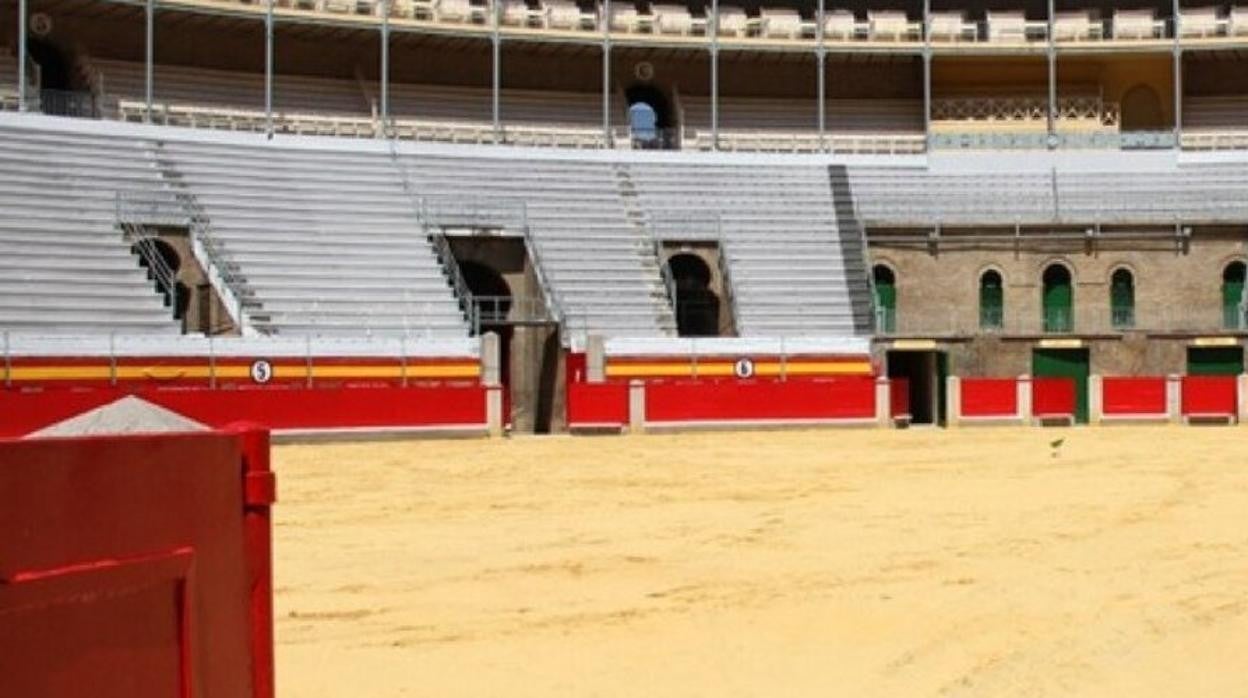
<point>1122,317</point>
<point>463,294</point>
<point>145,246</point>
<point>991,317</point>
<point>80,105</point>
<point>1058,320</point>
<point>725,273</point>
<point>539,269</point>
<point>665,269</point>
<point>180,208</point>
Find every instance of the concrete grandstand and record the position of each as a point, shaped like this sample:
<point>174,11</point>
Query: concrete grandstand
<point>946,193</point>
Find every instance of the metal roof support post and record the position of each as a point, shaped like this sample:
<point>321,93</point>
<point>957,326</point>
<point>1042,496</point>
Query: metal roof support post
<point>1051,53</point>
<point>927,75</point>
<point>821,60</point>
<point>606,73</point>
<point>268,69</point>
<point>714,23</point>
<point>1178,78</point>
<point>148,59</point>
<point>21,55</point>
<point>385,67</point>
<point>495,70</point>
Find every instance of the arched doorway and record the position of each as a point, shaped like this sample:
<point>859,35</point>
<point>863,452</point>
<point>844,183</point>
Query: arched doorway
<point>991,300</point>
<point>1233,296</point>
<point>697,306</point>
<point>885,298</point>
<point>648,107</point>
<point>1122,299</point>
<point>1058,299</point>
<point>1141,110</point>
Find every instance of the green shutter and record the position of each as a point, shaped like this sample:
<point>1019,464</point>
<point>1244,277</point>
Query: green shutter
<point>991,302</point>
<point>1215,361</point>
<point>886,304</point>
<point>1058,316</point>
<point>1122,301</point>
<point>1232,294</point>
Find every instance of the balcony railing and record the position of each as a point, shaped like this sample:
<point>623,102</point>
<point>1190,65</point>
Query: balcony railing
<point>1123,317</point>
<point>991,318</point>
<point>1059,320</point>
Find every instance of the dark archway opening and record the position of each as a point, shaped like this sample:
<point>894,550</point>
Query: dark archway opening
<point>54,72</point>
<point>1141,110</point>
<point>697,306</point>
<point>1122,299</point>
<point>650,118</point>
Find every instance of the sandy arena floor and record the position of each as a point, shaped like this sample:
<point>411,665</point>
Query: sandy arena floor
<point>828,563</point>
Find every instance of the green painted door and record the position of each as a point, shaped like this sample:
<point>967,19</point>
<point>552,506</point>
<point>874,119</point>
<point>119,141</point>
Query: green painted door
<point>1215,361</point>
<point>1065,363</point>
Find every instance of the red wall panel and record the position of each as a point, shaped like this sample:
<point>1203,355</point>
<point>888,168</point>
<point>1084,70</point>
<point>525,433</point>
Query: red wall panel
<point>24,411</point>
<point>989,397</point>
<point>1209,395</point>
<point>692,400</point>
<point>1133,396</point>
<point>1052,396</point>
<point>899,396</point>
<point>597,404</point>
<point>124,576</point>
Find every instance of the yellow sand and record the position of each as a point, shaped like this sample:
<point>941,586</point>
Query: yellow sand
<point>823,563</point>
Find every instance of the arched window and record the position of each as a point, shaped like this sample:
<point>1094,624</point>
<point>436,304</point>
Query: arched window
<point>1058,300</point>
<point>885,299</point>
<point>991,301</point>
<point>1233,296</point>
<point>1122,299</point>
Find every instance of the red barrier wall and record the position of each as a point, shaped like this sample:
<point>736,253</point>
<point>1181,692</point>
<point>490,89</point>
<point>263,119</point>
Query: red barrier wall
<point>1052,397</point>
<point>122,576</point>
<point>1210,395</point>
<point>597,404</point>
<point>1133,396</point>
<point>989,397</point>
<point>278,408</point>
<point>731,400</point>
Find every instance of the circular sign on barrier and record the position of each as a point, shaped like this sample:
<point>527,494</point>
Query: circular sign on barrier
<point>744,368</point>
<point>261,371</point>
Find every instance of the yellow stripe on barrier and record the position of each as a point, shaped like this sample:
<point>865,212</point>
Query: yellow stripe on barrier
<point>720,368</point>
<point>234,371</point>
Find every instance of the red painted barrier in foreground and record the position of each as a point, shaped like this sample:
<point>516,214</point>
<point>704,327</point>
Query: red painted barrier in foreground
<point>1122,396</point>
<point>25,411</point>
<point>1209,396</point>
<point>1053,397</point>
<point>136,566</point>
<point>711,400</point>
<point>989,397</point>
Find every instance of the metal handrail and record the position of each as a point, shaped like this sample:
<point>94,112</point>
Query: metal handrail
<point>159,270</point>
<point>446,257</point>
<point>665,269</point>
<point>539,268</point>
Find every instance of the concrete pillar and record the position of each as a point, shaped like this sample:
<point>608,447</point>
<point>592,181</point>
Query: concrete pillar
<point>1242,386</point>
<point>637,407</point>
<point>883,402</point>
<point>1174,398</point>
<point>595,359</point>
<point>1024,399</point>
<point>494,420</point>
<point>1096,411</point>
<point>491,364</point>
<point>953,402</point>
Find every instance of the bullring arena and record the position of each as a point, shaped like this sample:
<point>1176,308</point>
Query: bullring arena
<point>915,563</point>
<point>588,347</point>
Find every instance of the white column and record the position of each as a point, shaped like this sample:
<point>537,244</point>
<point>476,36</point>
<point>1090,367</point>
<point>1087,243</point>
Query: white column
<point>883,402</point>
<point>149,78</point>
<point>1096,400</point>
<point>637,407</point>
<point>1174,398</point>
<point>21,55</point>
<point>268,69</point>
<point>1024,399</point>
<point>595,359</point>
<point>1241,386</point>
<point>953,402</point>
